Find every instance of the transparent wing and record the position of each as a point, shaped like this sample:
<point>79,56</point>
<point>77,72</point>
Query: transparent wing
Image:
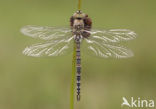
<point>50,48</point>
<point>105,43</point>
<point>105,50</point>
<point>58,40</point>
<point>45,32</point>
<point>112,36</point>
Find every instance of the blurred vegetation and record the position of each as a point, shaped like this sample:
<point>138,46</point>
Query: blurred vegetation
<point>44,83</point>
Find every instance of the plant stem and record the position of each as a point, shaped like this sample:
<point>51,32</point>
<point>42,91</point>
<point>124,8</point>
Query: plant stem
<point>73,78</point>
<point>79,4</point>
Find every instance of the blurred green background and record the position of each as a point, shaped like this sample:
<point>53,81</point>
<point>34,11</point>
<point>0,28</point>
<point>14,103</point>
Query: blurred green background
<point>44,83</point>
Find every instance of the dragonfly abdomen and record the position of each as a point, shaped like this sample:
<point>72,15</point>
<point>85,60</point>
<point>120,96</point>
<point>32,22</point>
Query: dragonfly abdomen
<point>78,68</point>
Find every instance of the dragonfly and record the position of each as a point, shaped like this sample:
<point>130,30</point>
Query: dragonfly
<point>60,41</point>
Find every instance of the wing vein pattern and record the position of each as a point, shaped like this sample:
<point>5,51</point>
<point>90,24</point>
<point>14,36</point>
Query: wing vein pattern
<point>106,43</point>
<point>57,41</point>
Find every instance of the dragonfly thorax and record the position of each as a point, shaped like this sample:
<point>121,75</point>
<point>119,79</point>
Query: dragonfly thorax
<point>80,24</point>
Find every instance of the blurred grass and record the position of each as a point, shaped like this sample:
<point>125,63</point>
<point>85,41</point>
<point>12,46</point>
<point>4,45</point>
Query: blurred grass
<point>44,83</point>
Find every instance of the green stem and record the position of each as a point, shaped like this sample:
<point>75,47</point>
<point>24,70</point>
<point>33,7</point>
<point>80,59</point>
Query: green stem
<point>79,4</point>
<point>73,78</point>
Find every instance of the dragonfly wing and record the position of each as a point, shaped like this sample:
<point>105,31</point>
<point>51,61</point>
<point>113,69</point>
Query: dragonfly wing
<point>50,48</point>
<point>45,32</point>
<point>112,36</point>
<point>106,50</point>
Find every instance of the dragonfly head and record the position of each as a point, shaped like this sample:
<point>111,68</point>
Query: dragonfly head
<point>79,15</point>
